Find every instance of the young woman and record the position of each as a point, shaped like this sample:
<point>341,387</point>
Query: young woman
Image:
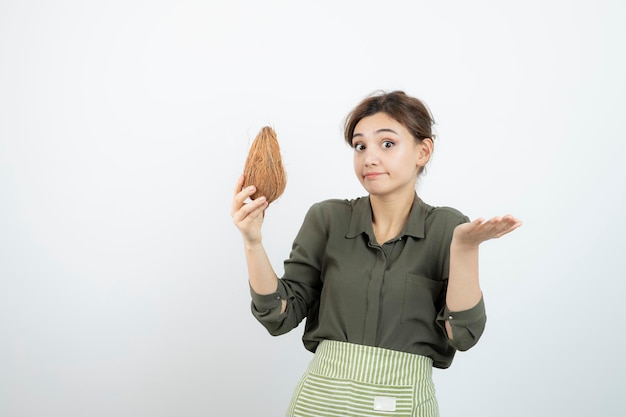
<point>388,284</point>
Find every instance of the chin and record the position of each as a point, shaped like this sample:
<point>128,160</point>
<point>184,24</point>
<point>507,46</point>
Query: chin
<point>376,191</point>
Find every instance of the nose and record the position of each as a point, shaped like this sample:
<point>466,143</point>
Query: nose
<point>371,157</point>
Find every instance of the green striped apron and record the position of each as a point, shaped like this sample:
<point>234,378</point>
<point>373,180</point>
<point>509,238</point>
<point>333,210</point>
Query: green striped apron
<point>346,379</point>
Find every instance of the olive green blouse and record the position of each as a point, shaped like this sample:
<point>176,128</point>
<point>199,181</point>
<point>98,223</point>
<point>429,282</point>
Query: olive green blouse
<point>352,289</point>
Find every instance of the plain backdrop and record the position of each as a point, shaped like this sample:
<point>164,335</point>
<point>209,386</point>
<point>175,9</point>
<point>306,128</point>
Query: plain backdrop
<point>125,124</point>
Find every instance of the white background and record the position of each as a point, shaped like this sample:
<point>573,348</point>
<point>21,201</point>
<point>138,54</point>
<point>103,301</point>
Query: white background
<point>124,126</point>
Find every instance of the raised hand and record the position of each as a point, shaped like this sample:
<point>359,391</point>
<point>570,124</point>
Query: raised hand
<point>248,215</point>
<point>476,232</point>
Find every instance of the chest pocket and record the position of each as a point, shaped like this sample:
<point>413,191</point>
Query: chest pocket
<point>420,299</point>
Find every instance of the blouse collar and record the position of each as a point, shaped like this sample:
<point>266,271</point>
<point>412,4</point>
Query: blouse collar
<point>361,219</point>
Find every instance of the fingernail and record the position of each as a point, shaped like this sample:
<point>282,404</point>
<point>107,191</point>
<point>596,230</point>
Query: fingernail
<point>251,188</point>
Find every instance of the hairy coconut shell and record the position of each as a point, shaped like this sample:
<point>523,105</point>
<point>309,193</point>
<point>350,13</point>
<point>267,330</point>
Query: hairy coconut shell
<point>264,167</point>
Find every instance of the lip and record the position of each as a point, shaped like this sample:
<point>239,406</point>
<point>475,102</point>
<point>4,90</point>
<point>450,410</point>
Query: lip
<point>372,175</point>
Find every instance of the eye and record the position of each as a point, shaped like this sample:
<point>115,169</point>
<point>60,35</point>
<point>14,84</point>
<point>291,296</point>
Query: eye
<point>359,147</point>
<point>388,144</point>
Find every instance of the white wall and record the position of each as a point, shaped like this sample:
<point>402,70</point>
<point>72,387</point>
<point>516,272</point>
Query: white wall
<point>124,126</point>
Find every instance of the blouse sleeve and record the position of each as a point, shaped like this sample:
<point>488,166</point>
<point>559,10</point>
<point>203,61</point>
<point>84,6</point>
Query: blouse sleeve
<point>301,283</point>
<point>467,325</point>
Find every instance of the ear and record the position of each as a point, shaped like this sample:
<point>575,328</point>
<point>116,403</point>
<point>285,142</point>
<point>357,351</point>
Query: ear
<point>425,150</point>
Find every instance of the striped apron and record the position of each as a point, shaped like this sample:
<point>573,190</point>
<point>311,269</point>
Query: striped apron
<point>346,379</point>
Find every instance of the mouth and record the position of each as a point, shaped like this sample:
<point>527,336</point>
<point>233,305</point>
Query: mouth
<point>372,175</point>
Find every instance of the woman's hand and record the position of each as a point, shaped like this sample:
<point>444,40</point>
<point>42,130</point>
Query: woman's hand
<point>248,216</point>
<point>470,235</point>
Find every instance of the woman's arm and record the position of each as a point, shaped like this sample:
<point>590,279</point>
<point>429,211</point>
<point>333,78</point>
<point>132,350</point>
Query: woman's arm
<point>463,285</point>
<point>248,217</point>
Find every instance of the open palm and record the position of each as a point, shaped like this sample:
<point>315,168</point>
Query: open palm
<point>479,230</point>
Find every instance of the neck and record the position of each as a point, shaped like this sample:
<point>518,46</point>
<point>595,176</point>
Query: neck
<point>390,214</point>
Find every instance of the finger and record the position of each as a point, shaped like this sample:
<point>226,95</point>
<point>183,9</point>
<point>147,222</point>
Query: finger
<point>235,205</point>
<point>506,222</point>
<point>245,193</point>
<point>490,225</point>
<point>490,229</point>
<point>514,221</point>
<point>259,211</point>
<point>240,198</point>
<point>239,185</point>
<point>473,225</point>
<point>509,223</point>
<point>250,210</point>
<point>251,219</point>
<point>513,226</point>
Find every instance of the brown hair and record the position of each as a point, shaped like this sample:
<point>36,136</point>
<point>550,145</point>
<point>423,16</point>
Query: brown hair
<point>409,111</point>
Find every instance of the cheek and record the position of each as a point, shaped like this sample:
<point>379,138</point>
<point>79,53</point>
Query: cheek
<point>357,165</point>
<point>407,163</point>
<point>413,157</point>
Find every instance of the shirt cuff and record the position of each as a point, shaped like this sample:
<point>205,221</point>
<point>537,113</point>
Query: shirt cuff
<point>467,325</point>
<point>465,317</point>
<point>267,302</point>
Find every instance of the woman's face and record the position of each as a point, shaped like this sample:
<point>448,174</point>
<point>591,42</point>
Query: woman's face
<point>387,158</point>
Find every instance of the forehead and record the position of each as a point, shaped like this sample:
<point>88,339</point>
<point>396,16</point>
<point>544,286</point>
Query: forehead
<point>378,122</point>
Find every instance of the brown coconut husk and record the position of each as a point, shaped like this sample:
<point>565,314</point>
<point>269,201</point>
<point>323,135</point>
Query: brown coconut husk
<point>264,167</point>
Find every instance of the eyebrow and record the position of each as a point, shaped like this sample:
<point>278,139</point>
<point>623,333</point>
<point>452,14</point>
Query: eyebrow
<point>378,131</point>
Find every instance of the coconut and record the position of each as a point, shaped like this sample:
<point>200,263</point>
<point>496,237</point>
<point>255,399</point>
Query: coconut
<point>264,167</point>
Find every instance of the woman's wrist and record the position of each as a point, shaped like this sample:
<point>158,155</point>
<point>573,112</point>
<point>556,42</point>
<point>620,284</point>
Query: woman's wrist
<point>458,245</point>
